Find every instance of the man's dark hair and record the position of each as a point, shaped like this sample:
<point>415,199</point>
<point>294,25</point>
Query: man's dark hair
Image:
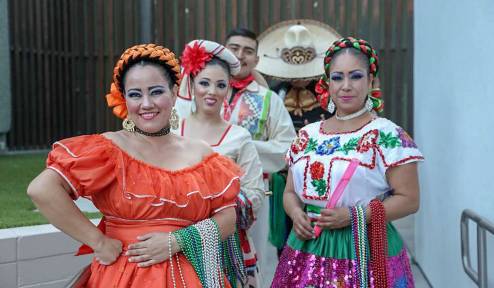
<point>244,32</point>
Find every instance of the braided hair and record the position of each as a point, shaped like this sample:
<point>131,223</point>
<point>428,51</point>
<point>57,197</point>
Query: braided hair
<point>333,51</point>
<point>144,53</point>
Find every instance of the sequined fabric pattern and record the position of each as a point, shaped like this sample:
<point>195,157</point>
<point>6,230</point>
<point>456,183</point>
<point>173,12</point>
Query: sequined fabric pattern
<point>297,269</point>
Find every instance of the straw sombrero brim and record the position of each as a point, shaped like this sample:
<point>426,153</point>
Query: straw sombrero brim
<point>272,41</point>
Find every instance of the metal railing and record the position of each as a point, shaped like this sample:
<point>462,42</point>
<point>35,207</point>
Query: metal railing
<point>483,225</point>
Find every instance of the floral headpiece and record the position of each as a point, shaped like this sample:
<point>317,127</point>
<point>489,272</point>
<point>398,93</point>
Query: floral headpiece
<point>194,58</point>
<point>363,47</point>
<point>150,52</point>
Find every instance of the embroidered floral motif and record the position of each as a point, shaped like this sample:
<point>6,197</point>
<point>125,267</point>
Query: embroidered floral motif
<point>301,142</point>
<point>388,140</point>
<point>406,140</point>
<point>317,174</point>
<point>317,170</point>
<point>311,146</point>
<point>349,146</point>
<point>328,146</point>
<point>367,141</point>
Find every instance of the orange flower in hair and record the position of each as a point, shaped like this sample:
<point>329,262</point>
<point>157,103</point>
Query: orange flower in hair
<point>116,101</point>
<point>194,58</point>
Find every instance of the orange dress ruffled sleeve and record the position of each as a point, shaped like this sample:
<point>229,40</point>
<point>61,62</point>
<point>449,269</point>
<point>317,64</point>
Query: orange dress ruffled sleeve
<point>85,162</point>
<point>223,178</point>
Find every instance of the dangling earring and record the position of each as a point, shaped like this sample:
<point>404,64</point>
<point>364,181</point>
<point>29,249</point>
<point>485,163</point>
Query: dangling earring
<point>331,106</point>
<point>193,107</point>
<point>368,104</point>
<point>128,125</point>
<point>174,119</point>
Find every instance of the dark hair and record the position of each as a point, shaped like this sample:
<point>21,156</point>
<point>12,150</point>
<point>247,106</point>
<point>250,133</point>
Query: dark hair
<point>244,32</point>
<point>170,78</point>
<point>219,62</point>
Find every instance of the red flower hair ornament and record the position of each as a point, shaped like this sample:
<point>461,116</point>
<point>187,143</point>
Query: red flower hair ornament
<point>194,58</point>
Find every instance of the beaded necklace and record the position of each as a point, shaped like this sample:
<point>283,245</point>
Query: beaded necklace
<point>200,243</point>
<point>233,260</point>
<point>360,244</point>
<point>378,244</point>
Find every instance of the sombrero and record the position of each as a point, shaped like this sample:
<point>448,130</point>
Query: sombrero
<point>294,49</point>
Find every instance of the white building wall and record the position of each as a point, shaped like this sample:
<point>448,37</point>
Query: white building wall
<point>454,127</point>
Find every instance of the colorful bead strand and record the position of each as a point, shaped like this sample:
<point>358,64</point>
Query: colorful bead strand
<point>360,242</point>
<point>378,244</point>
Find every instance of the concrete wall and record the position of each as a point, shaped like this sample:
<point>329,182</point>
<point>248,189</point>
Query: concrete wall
<point>5,92</point>
<point>38,256</point>
<point>454,126</point>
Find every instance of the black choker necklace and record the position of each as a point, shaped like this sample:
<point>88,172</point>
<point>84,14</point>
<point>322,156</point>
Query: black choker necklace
<point>162,132</point>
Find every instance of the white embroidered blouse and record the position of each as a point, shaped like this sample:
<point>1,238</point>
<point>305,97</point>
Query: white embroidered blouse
<point>318,161</point>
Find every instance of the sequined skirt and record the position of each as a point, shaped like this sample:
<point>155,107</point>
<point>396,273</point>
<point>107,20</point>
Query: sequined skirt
<point>328,262</point>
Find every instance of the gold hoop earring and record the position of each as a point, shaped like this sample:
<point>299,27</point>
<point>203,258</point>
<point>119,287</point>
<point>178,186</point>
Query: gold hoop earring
<point>128,125</point>
<point>174,119</point>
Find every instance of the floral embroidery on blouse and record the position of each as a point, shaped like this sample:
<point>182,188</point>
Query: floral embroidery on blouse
<point>329,146</point>
<point>350,145</point>
<point>321,157</point>
<point>367,141</point>
<point>300,142</point>
<point>388,140</point>
<point>406,140</point>
<point>317,174</point>
<point>311,146</point>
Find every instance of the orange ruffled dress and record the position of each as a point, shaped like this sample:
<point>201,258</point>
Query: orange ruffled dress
<point>137,198</point>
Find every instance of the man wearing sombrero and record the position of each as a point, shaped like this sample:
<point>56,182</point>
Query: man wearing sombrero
<point>292,52</point>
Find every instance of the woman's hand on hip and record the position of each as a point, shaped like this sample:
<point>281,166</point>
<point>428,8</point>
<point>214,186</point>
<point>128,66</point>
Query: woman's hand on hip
<point>302,225</point>
<point>334,218</point>
<point>107,250</point>
<point>151,249</point>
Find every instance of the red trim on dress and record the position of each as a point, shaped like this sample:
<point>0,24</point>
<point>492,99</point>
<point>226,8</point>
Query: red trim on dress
<point>182,128</point>
<point>223,136</point>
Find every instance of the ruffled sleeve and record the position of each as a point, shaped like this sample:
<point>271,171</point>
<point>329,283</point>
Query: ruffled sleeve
<point>396,146</point>
<point>84,162</point>
<point>223,179</point>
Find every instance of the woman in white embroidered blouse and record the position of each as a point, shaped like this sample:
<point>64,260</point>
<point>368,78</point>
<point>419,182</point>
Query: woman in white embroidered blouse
<point>379,159</point>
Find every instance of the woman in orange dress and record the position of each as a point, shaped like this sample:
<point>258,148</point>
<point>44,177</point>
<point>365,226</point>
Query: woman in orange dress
<point>144,180</point>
